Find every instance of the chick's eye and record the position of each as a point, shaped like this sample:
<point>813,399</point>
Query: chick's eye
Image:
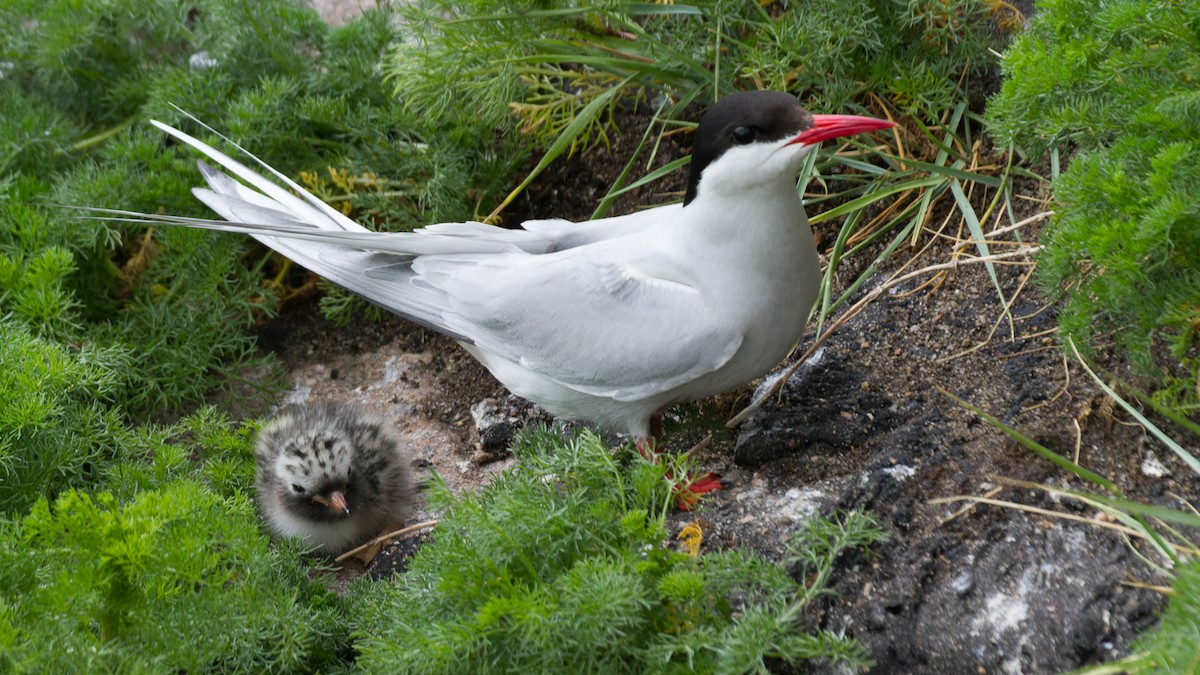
<point>297,488</point>
<point>743,135</point>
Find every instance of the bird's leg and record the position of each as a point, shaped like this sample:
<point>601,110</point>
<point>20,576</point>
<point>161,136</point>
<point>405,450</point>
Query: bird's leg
<point>646,445</point>
<point>687,491</point>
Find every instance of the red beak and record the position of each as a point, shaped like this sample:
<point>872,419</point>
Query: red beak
<point>826,127</point>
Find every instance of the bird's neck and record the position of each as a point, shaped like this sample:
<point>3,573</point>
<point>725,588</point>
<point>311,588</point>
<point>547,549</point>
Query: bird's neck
<point>765,213</point>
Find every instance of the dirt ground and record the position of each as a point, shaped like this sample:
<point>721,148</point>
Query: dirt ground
<point>863,424</point>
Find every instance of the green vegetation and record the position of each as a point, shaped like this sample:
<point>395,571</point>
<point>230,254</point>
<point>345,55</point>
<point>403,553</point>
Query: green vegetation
<point>562,562</point>
<point>129,546</point>
<point>559,68</point>
<point>74,96</point>
<point>177,579</point>
<point>1172,647</point>
<point>160,565</point>
<point>561,566</point>
<point>1119,82</point>
<point>55,421</point>
<point>547,62</point>
<point>101,322</point>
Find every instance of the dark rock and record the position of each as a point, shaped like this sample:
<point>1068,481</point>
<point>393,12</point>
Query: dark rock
<point>497,420</point>
<point>1022,595</point>
<point>823,403</point>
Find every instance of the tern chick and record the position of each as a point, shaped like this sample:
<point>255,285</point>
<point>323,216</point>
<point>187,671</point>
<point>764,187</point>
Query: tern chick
<point>333,475</point>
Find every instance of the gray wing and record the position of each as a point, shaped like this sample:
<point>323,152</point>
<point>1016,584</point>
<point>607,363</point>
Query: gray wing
<point>581,303</point>
<point>625,330</point>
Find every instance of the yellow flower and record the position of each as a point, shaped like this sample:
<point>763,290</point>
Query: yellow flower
<point>692,538</point>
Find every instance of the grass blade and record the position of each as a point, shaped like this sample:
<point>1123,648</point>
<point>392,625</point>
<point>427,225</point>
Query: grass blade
<point>615,189</point>
<point>972,221</point>
<point>948,171</point>
<point>1039,449</point>
<point>1187,457</point>
<point>867,200</point>
<point>564,141</point>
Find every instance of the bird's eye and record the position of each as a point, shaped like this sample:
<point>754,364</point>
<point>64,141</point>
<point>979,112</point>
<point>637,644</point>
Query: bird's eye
<point>743,135</point>
<point>297,488</point>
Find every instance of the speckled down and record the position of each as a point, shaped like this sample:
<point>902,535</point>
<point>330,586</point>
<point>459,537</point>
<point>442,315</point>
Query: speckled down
<point>333,475</point>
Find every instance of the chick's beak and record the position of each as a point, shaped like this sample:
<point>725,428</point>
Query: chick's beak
<point>826,127</point>
<point>336,501</point>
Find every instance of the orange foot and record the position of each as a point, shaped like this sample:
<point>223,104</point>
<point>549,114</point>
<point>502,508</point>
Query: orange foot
<point>687,491</point>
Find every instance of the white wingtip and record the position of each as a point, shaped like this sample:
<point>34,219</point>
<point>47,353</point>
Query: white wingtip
<point>306,207</point>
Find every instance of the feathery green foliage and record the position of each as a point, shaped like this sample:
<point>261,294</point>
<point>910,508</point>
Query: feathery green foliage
<point>58,428</point>
<point>75,94</point>
<point>55,424</point>
<point>110,320</point>
<point>176,580</point>
<point>560,565</point>
<point>1174,647</point>
<point>1094,73</point>
<point>547,60</point>
<point>1118,80</point>
<point>205,447</point>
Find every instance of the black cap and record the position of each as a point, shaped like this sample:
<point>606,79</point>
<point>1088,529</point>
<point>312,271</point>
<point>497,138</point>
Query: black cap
<point>740,119</point>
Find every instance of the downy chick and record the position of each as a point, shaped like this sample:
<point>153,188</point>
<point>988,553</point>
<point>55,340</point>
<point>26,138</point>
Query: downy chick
<point>332,475</point>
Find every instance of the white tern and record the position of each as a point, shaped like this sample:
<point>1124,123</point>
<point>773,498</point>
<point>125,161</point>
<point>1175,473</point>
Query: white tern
<point>607,320</point>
